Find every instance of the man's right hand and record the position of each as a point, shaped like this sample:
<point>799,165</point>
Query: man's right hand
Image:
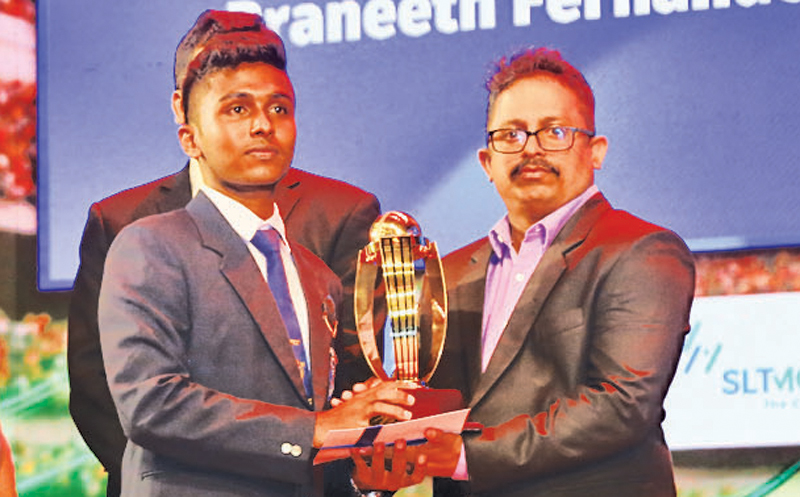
<point>378,399</point>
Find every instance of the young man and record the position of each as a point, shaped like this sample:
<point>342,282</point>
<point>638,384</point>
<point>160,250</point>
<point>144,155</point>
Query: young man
<point>330,218</point>
<point>216,329</point>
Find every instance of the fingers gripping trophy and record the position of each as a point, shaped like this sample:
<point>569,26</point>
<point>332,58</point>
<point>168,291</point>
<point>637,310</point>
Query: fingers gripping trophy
<point>416,303</point>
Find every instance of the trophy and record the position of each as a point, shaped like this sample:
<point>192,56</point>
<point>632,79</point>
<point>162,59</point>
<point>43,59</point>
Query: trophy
<point>416,308</point>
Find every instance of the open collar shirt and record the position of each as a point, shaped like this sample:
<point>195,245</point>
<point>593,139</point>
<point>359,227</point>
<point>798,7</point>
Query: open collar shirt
<point>509,271</point>
<point>508,274</point>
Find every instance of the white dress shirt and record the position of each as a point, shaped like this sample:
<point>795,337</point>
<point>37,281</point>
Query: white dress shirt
<point>245,223</point>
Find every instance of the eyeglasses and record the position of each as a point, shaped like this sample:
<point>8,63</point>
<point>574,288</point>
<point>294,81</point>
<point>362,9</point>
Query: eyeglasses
<point>551,138</point>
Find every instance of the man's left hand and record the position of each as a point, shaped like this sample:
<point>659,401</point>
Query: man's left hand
<point>374,474</point>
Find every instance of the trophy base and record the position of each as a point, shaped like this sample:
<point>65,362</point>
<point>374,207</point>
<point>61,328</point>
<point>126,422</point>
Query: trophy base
<point>432,401</point>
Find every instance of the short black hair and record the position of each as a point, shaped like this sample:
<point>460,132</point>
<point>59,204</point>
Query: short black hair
<point>534,62</point>
<point>220,39</point>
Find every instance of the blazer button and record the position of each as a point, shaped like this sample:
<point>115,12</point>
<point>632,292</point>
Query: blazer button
<point>286,448</point>
<point>297,451</point>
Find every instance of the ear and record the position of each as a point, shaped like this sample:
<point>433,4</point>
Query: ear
<point>187,136</point>
<point>177,107</point>
<point>486,162</point>
<point>599,145</point>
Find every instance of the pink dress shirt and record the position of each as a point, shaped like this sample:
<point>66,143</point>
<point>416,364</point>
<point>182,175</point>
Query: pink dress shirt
<point>507,275</point>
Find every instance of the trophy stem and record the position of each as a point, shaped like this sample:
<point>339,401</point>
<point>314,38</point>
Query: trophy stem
<point>400,280</point>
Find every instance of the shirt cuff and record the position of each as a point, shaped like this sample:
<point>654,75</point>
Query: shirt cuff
<point>461,472</point>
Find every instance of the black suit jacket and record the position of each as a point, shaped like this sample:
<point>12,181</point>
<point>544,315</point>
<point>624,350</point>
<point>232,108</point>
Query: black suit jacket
<point>329,217</point>
<point>199,364</point>
<point>572,396</point>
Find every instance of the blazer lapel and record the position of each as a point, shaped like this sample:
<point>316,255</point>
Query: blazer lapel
<point>241,271</point>
<point>174,192</point>
<point>171,193</point>
<point>522,318</point>
<point>547,273</point>
<point>288,193</point>
<point>321,326</point>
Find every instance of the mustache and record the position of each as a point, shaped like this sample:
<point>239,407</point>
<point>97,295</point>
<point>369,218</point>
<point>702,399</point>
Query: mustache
<point>536,162</point>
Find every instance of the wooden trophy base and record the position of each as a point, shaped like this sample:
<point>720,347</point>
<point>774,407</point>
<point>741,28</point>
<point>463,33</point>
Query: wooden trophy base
<point>432,401</point>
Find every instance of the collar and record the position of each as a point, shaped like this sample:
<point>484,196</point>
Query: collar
<point>243,221</point>
<point>195,177</point>
<point>545,230</point>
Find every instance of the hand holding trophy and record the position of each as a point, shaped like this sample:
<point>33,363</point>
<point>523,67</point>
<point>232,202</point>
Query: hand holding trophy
<point>416,302</point>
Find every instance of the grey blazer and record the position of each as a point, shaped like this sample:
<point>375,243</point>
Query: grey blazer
<point>199,363</point>
<point>572,397</point>
<point>329,217</point>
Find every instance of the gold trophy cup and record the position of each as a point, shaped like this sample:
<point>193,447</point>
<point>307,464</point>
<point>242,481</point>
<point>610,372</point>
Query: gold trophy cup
<point>416,306</point>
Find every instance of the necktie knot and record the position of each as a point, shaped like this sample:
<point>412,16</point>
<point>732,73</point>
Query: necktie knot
<point>268,242</point>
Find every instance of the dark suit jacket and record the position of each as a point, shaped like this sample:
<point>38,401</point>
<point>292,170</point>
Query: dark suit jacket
<point>199,362</point>
<point>572,397</point>
<point>329,217</point>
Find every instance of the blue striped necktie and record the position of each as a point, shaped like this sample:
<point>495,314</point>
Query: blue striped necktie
<point>268,242</point>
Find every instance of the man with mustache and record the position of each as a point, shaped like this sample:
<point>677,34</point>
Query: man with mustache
<point>567,321</point>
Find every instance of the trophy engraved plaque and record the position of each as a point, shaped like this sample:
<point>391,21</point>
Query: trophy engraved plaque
<point>416,306</point>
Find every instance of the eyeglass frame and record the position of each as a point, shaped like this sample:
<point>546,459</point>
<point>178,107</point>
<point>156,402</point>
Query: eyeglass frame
<point>490,137</point>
